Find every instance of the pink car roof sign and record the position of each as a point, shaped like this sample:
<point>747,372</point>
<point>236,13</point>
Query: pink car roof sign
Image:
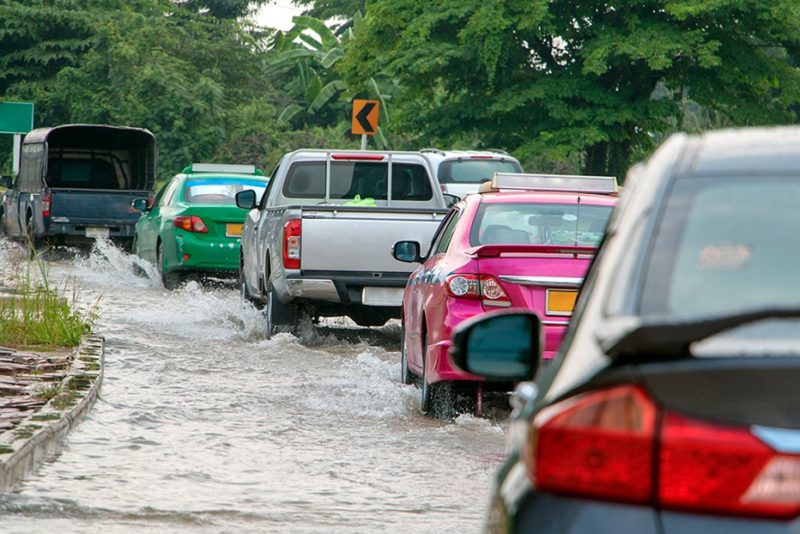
<point>604,185</point>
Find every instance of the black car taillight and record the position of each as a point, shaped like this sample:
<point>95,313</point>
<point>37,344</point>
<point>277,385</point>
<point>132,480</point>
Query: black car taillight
<point>617,444</point>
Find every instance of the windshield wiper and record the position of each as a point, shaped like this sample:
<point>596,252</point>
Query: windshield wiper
<point>675,338</point>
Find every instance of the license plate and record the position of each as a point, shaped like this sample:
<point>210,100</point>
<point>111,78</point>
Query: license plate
<point>382,296</point>
<point>92,231</point>
<point>233,230</point>
<point>560,301</point>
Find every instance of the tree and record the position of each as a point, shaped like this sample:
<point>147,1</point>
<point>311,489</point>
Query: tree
<point>340,12</point>
<point>566,77</point>
<point>187,77</point>
<point>222,9</point>
<point>306,57</point>
<point>38,38</point>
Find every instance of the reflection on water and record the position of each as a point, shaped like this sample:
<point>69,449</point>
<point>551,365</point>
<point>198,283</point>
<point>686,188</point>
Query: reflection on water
<point>203,424</point>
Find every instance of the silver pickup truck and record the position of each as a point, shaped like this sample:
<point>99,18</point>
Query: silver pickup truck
<point>319,242</point>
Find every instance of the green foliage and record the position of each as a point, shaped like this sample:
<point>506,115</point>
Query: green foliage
<point>566,85</point>
<point>343,12</point>
<point>222,9</point>
<point>40,315</point>
<point>565,78</point>
<point>150,64</point>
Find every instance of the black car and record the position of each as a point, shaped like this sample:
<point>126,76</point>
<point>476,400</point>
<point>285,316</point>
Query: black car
<point>674,403</point>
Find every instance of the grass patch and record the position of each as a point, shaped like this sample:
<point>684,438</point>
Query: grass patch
<point>49,392</point>
<point>25,431</point>
<point>39,315</point>
<point>46,417</point>
<point>65,400</point>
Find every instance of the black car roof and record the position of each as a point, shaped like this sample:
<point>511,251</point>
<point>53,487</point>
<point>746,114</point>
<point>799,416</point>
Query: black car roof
<point>755,151</point>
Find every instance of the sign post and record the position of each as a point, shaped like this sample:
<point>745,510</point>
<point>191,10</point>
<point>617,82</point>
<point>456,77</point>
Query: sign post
<point>365,119</point>
<point>16,118</point>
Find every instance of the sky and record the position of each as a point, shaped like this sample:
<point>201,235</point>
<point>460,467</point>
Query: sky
<point>278,14</point>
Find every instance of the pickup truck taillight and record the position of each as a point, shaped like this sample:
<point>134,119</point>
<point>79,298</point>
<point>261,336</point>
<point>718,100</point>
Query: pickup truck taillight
<point>617,444</point>
<point>46,204</point>
<point>190,223</point>
<point>292,233</point>
<point>482,287</point>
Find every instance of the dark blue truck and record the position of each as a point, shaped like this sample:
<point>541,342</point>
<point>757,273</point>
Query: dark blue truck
<point>77,182</point>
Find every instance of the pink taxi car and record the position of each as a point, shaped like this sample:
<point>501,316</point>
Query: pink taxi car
<point>525,243</point>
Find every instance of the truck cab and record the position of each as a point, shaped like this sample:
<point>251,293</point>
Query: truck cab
<point>78,182</point>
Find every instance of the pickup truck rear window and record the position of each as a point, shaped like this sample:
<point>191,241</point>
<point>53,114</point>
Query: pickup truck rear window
<point>367,179</point>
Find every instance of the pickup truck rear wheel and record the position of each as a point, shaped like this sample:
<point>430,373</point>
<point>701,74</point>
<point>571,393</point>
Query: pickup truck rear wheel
<point>280,317</point>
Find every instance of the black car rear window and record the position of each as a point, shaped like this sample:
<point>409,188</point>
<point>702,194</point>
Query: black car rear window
<point>725,245</point>
<point>473,171</point>
<point>367,179</point>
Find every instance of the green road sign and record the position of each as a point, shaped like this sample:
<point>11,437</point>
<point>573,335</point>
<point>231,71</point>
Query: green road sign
<point>16,117</point>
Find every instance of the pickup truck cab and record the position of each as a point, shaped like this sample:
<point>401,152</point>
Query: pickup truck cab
<point>77,182</point>
<point>320,240</point>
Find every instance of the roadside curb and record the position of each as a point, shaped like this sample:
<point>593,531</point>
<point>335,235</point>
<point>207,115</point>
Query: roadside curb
<point>35,438</point>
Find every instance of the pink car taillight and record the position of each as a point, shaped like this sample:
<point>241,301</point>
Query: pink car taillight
<point>484,287</point>
<point>617,444</point>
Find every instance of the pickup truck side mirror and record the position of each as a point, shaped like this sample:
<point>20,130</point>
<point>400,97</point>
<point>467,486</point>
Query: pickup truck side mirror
<point>500,346</point>
<point>5,181</point>
<point>246,199</point>
<point>450,200</point>
<point>406,251</point>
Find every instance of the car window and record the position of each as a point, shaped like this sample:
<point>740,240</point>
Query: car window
<point>473,171</point>
<point>445,235</point>
<point>724,245</point>
<point>263,201</point>
<point>83,173</point>
<point>219,191</point>
<point>365,179</point>
<point>529,223</point>
<point>169,192</point>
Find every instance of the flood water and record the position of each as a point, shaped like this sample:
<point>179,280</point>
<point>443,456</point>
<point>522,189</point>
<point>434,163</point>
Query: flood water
<point>204,425</point>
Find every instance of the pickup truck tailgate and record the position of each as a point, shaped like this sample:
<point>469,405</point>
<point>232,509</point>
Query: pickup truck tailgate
<point>96,206</point>
<point>349,239</point>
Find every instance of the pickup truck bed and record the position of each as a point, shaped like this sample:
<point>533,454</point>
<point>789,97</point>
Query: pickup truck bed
<point>346,259</point>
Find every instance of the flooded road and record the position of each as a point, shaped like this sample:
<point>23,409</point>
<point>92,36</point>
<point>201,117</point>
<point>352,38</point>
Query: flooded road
<point>203,425</point>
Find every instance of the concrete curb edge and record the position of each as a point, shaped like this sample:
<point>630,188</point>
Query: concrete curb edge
<point>47,426</point>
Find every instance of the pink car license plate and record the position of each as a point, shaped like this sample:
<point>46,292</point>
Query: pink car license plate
<point>561,301</point>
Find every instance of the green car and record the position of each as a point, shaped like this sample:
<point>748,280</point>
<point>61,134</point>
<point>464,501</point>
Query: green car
<point>193,226</point>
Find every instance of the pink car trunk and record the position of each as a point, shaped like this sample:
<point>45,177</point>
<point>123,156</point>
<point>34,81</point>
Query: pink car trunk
<point>542,278</point>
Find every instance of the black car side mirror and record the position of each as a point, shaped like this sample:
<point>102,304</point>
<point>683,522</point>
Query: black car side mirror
<point>500,346</point>
<point>5,181</point>
<point>406,251</point>
<point>246,199</point>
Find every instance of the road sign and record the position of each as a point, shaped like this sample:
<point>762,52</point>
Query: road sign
<point>365,117</point>
<point>16,117</point>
